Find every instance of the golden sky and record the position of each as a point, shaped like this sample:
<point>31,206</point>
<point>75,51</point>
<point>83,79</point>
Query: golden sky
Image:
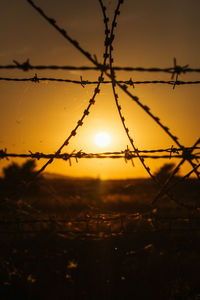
<point>40,116</point>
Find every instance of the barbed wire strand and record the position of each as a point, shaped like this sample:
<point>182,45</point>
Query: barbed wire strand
<point>170,150</point>
<point>26,66</point>
<point>122,118</point>
<point>83,83</point>
<point>127,155</point>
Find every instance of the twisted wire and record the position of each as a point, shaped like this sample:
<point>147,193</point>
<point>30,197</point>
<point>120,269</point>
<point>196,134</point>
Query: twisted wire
<point>26,66</point>
<point>127,155</point>
<point>83,83</point>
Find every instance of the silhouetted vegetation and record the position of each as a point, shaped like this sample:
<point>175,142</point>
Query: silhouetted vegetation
<point>65,195</point>
<point>164,172</point>
<point>20,181</point>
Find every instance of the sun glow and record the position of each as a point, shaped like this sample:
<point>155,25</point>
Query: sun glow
<point>102,139</point>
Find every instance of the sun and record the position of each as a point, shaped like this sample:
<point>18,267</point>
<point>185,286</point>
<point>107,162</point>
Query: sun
<point>102,139</point>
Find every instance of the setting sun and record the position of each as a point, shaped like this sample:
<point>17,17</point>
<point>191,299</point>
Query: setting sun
<point>102,139</point>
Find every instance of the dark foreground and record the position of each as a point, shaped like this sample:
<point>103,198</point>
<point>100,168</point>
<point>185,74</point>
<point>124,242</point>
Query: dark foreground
<point>89,239</point>
<point>138,265</point>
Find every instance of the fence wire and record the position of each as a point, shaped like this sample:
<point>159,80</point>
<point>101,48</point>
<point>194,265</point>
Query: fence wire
<point>83,83</point>
<point>126,154</point>
<point>26,66</point>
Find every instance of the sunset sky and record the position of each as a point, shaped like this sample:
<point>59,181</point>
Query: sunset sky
<point>40,116</point>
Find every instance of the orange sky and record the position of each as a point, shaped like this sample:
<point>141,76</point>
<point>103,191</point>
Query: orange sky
<point>39,116</point>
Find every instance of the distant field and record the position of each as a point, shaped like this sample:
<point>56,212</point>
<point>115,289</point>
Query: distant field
<point>121,195</point>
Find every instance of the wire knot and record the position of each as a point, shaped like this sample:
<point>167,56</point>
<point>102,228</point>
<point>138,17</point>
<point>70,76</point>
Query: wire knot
<point>25,66</point>
<point>173,150</point>
<point>176,71</point>
<point>128,155</point>
<point>130,82</point>
<point>35,79</point>
<point>83,82</point>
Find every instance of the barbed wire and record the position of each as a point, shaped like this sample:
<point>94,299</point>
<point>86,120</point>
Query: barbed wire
<point>177,70</point>
<point>185,153</point>
<point>26,66</point>
<point>119,108</point>
<point>126,154</point>
<point>83,83</point>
